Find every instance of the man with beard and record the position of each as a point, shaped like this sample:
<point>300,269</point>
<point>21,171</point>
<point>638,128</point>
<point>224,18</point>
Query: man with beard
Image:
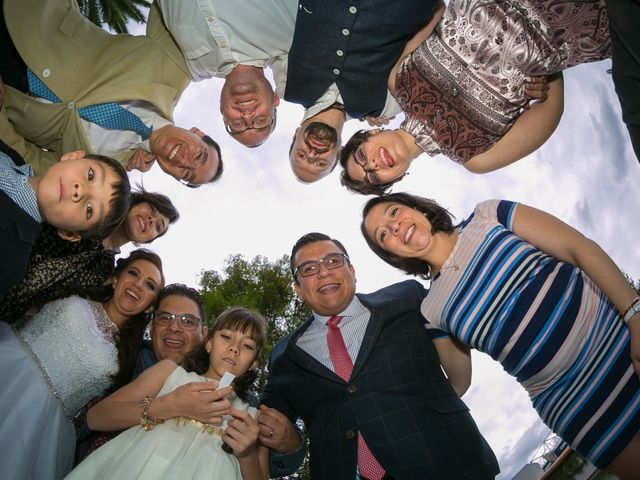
<point>316,144</point>
<point>59,98</point>
<point>219,39</point>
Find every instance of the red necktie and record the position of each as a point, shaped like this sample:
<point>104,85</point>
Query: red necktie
<point>343,366</point>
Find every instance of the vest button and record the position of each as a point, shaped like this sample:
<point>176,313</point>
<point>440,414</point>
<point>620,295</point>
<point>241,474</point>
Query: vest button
<point>46,72</point>
<point>353,9</point>
<point>351,388</point>
<point>345,32</point>
<point>350,434</point>
<point>339,53</point>
<point>336,71</point>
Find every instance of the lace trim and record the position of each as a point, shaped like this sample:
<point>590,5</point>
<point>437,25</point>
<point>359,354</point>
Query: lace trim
<point>204,427</point>
<point>106,326</point>
<point>52,388</point>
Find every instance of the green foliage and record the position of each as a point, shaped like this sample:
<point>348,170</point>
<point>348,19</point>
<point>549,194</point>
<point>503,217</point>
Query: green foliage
<point>114,14</point>
<point>570,469</point>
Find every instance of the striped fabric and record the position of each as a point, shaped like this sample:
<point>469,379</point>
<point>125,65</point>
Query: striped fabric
<point>548,325</point>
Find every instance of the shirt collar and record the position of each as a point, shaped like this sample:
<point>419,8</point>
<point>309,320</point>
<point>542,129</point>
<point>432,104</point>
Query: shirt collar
<point>354,309</point>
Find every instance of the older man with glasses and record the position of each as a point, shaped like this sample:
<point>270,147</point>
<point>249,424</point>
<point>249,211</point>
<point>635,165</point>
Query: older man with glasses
<point>220,39</point>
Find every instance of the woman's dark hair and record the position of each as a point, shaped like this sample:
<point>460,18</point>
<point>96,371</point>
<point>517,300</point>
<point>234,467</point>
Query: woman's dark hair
<point>129,340</point>
<point>439,217</point>
<point>239,319</point>
<point>160,202</point>
<point>357,186</point>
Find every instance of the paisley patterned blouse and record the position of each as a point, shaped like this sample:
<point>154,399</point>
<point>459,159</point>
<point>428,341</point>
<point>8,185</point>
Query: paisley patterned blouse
<point>463,87</point>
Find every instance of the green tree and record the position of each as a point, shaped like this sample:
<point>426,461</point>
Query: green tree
<point>114,14</point>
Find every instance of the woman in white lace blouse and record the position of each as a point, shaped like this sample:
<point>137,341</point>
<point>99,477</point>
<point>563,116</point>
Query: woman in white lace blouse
<point>68,353</point>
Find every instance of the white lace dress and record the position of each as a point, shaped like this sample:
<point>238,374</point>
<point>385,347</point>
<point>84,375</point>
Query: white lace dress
<point>49,369</point>
<point>180,448</point>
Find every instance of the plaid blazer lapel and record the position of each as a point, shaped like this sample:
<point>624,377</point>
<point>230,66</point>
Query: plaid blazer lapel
<point>376,322</point>
<point>304,360</point>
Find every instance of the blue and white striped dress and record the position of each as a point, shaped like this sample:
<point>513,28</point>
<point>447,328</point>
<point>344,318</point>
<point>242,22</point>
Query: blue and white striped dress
<point>549,326</point>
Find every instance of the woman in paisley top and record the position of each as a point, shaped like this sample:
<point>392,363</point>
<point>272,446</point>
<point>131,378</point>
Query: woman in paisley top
<point>462,89</point>
<point>540,298</point>
<point>59,268</point>
<point>68,353</point>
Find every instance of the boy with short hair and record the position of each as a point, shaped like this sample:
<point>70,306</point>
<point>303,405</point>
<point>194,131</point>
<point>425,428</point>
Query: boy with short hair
<point>83,196</point>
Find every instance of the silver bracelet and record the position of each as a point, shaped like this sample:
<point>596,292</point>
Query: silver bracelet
<point>632,310</point>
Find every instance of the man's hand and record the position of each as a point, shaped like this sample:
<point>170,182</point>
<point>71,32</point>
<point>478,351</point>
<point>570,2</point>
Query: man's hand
<point>276,431</point>
<point>141,160</point>
<point>199,401</point>
<point>242,433</point>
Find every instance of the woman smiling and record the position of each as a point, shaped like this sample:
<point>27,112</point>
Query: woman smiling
<point>537,296</point>
<point>66,354</point>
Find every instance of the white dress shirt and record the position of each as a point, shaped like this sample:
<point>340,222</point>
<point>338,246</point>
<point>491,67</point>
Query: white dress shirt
<point>355,319</point>
<point>217,35</point>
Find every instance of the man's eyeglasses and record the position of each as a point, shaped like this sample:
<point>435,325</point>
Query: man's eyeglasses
<point>186,320</point>
<point>259,123</point>
<point>312,267</point>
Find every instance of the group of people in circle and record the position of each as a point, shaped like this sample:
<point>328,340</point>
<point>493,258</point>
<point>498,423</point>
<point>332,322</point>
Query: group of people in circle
<point>479,82</point>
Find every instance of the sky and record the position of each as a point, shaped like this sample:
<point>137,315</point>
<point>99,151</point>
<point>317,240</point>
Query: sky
<point>585,175</point>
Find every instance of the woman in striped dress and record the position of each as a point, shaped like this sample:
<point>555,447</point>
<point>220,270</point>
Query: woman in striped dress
<point>540,298</point>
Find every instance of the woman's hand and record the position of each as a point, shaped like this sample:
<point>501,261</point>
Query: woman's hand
<point>536,89</point>
<point>242,433</point>
<point>634,331</point>
<point>197,400</point>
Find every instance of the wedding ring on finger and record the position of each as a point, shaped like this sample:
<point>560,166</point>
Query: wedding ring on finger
<point>271,434</point>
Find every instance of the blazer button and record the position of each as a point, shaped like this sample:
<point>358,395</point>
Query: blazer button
<point>46,72</point>
<point>351,388</point>
<point>350,434</point>
<point>70,105</point>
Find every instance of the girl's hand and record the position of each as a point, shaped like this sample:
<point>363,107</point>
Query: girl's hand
<point>242,433</point>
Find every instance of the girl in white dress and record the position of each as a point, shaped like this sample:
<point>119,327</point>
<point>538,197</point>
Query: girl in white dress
<point>162,445</point>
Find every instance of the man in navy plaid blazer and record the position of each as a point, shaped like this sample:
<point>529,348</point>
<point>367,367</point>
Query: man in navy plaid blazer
<point>397,396</point>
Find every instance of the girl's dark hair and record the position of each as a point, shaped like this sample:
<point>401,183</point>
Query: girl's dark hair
<point>160,202</point>
<point>238,319</point>
<point>439,217</point>
<point>129,340</point>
